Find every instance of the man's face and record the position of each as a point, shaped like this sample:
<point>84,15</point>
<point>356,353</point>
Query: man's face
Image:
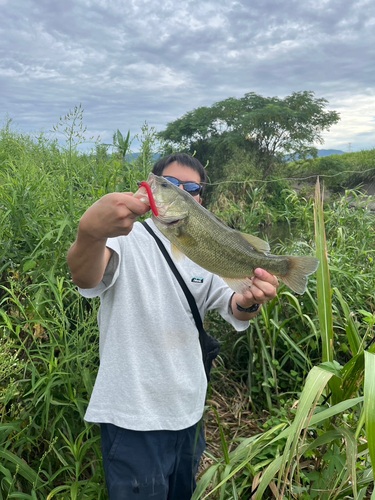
<point>183,174</point>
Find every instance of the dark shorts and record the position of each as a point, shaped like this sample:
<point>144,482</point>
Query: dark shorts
<point>153,465</point>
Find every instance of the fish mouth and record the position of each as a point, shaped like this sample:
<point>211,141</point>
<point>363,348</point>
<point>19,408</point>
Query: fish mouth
<point>169,214</point>
<point>169,221</point>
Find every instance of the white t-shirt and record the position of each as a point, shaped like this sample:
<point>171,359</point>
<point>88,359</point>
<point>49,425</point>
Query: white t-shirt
<point>151,374</point>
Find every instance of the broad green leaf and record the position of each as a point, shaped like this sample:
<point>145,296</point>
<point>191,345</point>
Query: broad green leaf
<point>21,496</point>
<point>324,291</point>
<point>56,490</point>
<point>6,319</point>
<point>368,317</point>
<point>267,477</point>
<point>22,468</point>
<point>321,416</point>
<point>204,482</point>
<point>323,278</point>
<point>248,449</point>
<point>333,367</point>
<point>327,437</point>
<point>7,474</point>
<point>28,265</point>
<point>351,457</point>
<point>222,437</point>
<point>316,381</point>
<point>317,418</point>
<point>352,375</point>
<point>369,403</point>
<point>354,338</point>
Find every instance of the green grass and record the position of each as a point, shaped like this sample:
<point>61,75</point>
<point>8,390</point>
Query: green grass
<point>327,452</point>
<point>312,349</point>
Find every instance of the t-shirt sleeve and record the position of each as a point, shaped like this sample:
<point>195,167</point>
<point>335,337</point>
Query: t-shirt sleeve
<point>218,298</point>
<point>110,274</point>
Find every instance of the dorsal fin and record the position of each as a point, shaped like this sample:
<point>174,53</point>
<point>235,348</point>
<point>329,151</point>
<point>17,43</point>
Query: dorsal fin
<point>258,244</point>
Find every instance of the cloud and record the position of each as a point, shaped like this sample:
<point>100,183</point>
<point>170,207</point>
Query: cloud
<point>128,62</point>
<point>357,122</point>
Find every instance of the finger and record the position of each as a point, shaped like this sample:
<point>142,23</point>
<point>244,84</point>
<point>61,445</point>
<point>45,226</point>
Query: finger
<point>263,291</point>
<point>142,195</point>
<point>248,295</point>
<point>138,207</point>
<point>264,275</point>
<point>267,287</point>
<point>258,289</point>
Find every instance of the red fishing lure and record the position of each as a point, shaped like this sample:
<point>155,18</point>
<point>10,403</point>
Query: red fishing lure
<point>151,198</point>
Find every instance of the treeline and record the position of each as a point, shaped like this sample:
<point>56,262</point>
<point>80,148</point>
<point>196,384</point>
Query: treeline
<point>267,129</point>
<point>265,138</point>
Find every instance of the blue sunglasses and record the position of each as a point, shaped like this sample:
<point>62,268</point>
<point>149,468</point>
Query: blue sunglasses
<point>190,187</point>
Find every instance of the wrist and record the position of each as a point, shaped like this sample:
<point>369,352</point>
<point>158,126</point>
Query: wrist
<point>252,309</point>
<point>87,232</point>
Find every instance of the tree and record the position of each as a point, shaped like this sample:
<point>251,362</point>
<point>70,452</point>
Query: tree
<point>269,127</point>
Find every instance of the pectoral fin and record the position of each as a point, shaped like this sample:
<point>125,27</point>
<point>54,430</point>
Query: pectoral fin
<point>176,253</point>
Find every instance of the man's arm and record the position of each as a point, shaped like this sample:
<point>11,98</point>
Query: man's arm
<point>87,260</point>
<point>111,216</point>
<point>263,289</point>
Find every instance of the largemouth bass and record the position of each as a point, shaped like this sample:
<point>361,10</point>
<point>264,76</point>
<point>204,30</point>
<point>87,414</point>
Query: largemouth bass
<point>197,233</point>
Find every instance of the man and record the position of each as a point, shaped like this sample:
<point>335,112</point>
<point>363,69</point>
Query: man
<point>150,390</point>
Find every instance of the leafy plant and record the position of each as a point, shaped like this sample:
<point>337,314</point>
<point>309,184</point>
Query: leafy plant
<point>48,333</point>
<point>322,455</point>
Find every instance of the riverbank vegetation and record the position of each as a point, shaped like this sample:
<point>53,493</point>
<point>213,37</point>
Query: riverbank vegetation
<point>291,410</point>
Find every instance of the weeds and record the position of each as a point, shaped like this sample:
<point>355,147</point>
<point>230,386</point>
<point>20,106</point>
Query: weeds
<point>279,436</point>
<point>327,452</point>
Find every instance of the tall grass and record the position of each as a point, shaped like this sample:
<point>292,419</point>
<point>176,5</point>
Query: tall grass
<point>326,451</point>
<point>48,333</point>
<point>49,337</point>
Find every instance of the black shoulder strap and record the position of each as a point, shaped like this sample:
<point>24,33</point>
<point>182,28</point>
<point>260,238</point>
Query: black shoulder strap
<point>209,345</point>
<point>189,295</point>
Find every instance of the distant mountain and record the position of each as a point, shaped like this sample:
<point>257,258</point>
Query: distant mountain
<point>134,156</point>
<point>321,153</point>
<point>329,152</point>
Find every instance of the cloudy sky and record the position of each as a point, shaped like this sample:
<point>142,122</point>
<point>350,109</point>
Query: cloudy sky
<point>131,61</point>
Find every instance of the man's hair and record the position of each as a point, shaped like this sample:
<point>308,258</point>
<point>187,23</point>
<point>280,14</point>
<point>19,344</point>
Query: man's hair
<point>183,159</point>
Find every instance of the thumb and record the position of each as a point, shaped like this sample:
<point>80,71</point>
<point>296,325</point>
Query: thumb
<point>142,195</point>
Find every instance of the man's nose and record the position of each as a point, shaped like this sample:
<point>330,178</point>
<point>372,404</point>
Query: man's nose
<point>181,186</point>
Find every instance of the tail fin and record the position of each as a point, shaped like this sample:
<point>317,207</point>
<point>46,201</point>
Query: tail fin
<point>300,268</point>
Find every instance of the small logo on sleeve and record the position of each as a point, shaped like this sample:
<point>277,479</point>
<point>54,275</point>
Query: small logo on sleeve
<point>197,280</point>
